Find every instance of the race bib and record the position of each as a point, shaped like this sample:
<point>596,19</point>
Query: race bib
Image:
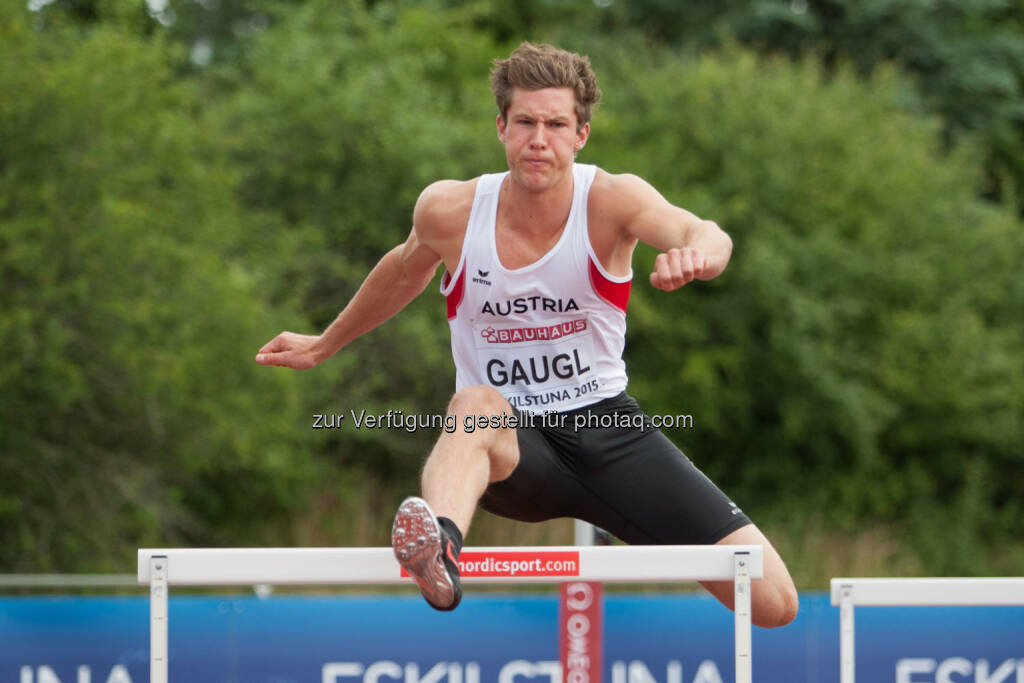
<point>538,365</point>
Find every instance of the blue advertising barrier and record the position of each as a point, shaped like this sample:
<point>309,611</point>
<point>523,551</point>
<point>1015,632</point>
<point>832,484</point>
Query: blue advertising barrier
<point>489,639</point>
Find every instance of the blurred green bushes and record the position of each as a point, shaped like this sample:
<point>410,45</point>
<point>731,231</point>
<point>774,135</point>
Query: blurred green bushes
<point>131,412</point>
<point>860,361</point>
<point>857,367</point>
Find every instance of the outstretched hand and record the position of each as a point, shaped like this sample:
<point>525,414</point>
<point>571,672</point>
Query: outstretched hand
<point>290,350</point>
<point>676,267</point>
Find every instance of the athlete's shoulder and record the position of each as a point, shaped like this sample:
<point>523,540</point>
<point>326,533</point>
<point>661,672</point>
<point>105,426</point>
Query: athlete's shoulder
<point>618,186</point>
<point>444,206</point>
<point>616,197</point>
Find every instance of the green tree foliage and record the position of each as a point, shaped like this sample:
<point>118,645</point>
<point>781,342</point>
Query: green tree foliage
<point>860,357</point>
<point>338,120</point>
<point>131,410</point>
<point>967,56</point>
<point>209,31</point>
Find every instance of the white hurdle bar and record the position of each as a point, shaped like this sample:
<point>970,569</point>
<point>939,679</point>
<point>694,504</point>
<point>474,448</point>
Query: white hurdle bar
<point>951,592</point>
<point>162,568</point>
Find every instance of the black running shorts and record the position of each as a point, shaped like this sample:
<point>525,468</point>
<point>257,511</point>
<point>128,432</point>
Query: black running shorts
<point>626,478</point>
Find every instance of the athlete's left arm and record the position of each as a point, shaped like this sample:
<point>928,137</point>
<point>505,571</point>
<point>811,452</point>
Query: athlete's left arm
<point>692,248</point>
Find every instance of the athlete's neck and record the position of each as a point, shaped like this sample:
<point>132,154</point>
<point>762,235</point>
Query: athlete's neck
<point>535,214</point>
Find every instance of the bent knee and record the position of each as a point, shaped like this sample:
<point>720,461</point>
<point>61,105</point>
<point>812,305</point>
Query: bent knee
<point>779,609</point>
<point>478,400</point>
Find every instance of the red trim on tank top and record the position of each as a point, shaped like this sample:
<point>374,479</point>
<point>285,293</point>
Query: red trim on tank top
<point>454,297</point>
<point>615,294</point>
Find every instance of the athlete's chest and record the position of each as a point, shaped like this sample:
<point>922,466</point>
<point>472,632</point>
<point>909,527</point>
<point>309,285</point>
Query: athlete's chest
<point>516,250</point>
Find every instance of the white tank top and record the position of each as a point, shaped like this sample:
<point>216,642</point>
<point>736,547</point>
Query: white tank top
<point>549,336</point>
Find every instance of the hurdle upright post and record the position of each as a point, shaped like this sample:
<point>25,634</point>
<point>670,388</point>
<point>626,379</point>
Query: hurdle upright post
<point>741,608</point>
<point>847,661</point>
<point>158,604</point>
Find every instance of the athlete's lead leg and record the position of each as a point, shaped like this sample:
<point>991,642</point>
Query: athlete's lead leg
<point>457,471</point>
<point>463,462</point>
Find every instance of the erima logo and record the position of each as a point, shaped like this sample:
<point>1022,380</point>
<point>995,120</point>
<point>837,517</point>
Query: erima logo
<point>481,280</point>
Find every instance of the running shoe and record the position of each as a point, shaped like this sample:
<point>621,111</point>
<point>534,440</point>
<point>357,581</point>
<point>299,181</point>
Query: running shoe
<point>424,550</point>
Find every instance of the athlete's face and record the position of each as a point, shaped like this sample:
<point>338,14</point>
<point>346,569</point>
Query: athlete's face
<point>541,136</point>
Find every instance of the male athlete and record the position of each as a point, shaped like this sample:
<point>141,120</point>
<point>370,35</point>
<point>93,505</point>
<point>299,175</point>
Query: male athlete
<point>538,271</point>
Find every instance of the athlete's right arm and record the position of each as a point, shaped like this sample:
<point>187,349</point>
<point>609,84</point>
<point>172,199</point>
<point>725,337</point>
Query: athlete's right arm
<point>398,278</point>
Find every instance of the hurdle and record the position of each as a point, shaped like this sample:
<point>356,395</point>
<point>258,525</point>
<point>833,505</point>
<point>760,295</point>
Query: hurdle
<point>925,592</point>
<point>162,568</point>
